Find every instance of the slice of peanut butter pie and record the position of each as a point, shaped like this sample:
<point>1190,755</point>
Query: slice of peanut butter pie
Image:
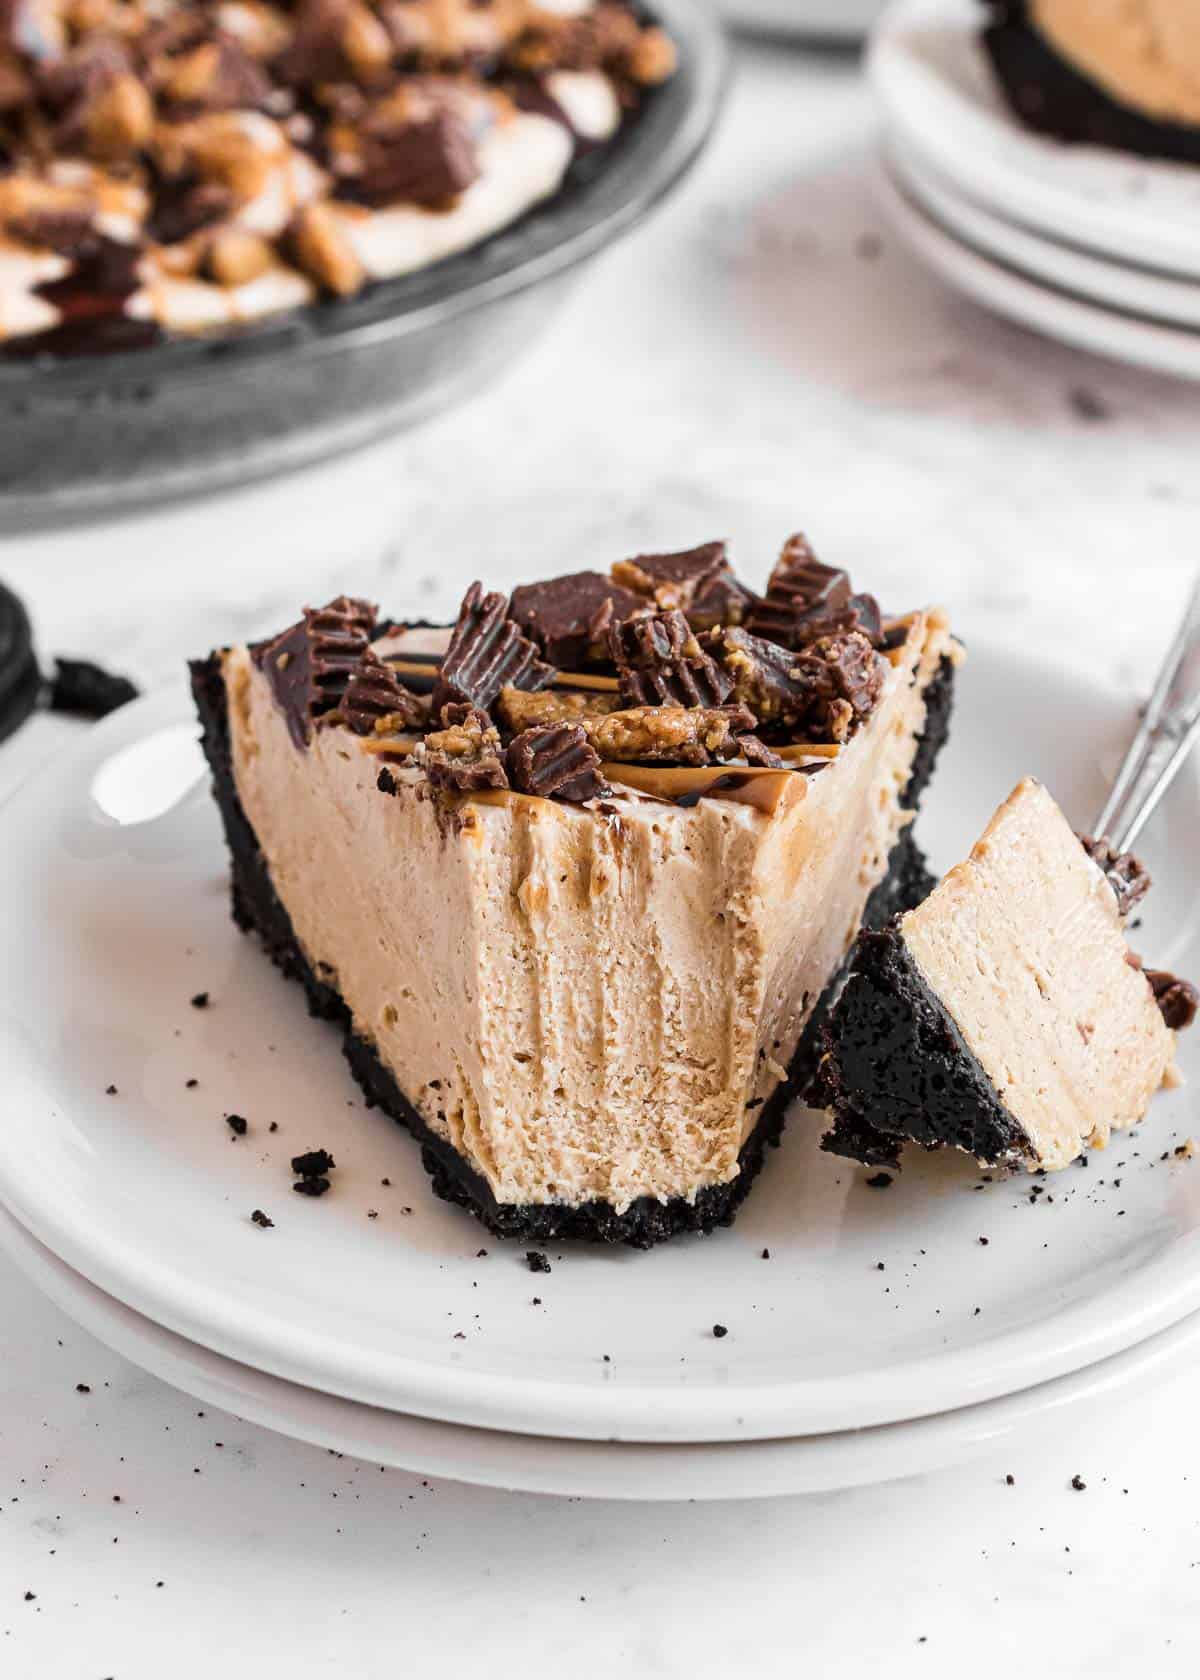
<point>576,874</point>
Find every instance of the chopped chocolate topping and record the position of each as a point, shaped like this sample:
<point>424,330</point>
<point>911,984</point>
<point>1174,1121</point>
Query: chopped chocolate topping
<point>377,702</point>
<point>314,1163</point>
<point>660,662</point>
<point>429,163</point>
<point>670,734</point>
<point>68,233</point>
<point>310,664</point>
<point>806,600</point>
<point>519,710</point>
<point>1127,875</point>
<point>464,755</point>
<point>1178,999</point>
<point>556,763</point>
<point>487,652</point>
<point>672,580</point>
<point>87,690</point>
<point>569,617</point>
<point>756,752</point>
<point>699,581</point>
<point>822,691</point>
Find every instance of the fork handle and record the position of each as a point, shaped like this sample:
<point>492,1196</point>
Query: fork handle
<point>1169,727</point>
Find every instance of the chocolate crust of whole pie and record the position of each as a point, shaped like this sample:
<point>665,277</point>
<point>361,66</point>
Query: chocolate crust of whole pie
<point>896,1069</point>
<point>256,906</point>
<point>1052,97</point>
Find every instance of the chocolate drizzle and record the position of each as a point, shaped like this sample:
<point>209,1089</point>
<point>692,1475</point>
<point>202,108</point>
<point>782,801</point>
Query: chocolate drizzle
<point>487,652</point>
<point>310,665</point>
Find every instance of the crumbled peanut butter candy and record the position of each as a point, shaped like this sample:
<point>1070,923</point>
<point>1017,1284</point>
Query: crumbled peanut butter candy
<point>464,755</point>
<point>670,734</point>
<point>235,257</point>
<point>323,251</point>
<point>520,710</point>
<point>652,58</point>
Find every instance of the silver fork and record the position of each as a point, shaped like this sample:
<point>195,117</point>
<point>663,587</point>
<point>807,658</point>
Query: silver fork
<point>1168,730</point>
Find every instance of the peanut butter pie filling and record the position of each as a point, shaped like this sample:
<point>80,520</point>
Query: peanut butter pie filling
<point>576,874</point>
<point>182,167</point>
<point>1118,73</point>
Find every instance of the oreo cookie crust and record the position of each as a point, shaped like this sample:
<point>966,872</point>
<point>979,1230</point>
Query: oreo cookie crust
<point>1052,97</point>
<point>896,1069</point>
<point>644,1222</point>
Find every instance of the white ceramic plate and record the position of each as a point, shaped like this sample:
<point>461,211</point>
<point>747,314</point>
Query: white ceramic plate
<point>1134,291</point>
<point>593,1469</point>
<point>831,20</point>
<point>1056,314</point>
<point>937,90</point>
<point>116,901</point>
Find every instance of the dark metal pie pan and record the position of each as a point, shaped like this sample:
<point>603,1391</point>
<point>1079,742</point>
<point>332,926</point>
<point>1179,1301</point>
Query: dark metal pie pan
<point>96,434</point>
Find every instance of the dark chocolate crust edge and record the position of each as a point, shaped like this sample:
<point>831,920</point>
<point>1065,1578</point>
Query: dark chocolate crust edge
<point>1050,96</point>
<point>256,905</point>
<point>896,1069</point>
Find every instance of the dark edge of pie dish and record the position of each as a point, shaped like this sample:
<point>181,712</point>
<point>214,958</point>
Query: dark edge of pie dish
<point>256,905</point>
<point>1052,97</point>
<point>896,1069</point>
<point>20,674</point>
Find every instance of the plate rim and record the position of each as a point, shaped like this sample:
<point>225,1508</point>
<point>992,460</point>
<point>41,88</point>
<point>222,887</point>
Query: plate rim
<point>572,1468</point>
<point>1089,275</point>
<point>1067,318</point>
<point>204,1313</point>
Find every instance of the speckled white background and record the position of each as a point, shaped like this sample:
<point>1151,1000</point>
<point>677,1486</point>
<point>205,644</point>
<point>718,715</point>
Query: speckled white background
<point>761,356</point>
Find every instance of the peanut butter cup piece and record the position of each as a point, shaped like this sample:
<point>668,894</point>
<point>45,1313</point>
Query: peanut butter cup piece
<point>570,617</point>
<point>310,665</point>
<point>377,701</point>
<point>1177,999</point>
<point>487,652</point>
<point>806,600</point>
<point>660,662</point>
<point>820,693</point>
<point>463,756</point>
<point>556,763</point>
<point>430,162</point>
<point>699,581</point>
<point>1127,875</point>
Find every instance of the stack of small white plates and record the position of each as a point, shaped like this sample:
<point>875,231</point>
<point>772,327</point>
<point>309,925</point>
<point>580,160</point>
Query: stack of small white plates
<point>1095,248</point>
<point>870,1332</point>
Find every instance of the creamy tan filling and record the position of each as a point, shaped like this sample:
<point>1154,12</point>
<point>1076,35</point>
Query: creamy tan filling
<point>1145,53</point>
<point>1024,946</point>
<point>587,1002</point>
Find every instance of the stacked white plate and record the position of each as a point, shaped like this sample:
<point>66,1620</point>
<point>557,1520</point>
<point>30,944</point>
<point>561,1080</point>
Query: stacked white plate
<point>870,1332</point>
<point>1096,248</point>
<point>828,20</point>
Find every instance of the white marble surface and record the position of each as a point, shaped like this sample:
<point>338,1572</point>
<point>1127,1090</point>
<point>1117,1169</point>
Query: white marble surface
<point>755,360</point>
